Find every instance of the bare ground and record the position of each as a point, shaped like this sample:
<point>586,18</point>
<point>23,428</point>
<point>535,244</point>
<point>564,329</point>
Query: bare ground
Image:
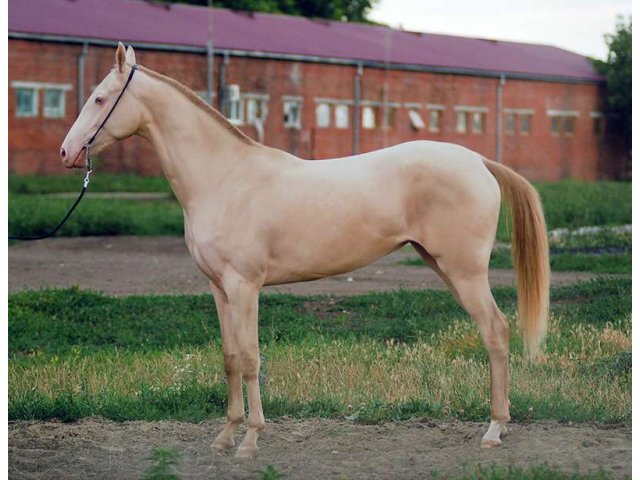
<point>317,449</point>
<point>312,448</point>
<point>162,265</point>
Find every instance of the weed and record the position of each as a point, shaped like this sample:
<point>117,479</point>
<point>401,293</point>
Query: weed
<point>270,473</point>
<point>165,461</point>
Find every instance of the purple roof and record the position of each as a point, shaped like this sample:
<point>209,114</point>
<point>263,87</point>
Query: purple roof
<point>185,25</point>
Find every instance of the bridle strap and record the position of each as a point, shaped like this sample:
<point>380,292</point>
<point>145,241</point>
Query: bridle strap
<point>89,167</point>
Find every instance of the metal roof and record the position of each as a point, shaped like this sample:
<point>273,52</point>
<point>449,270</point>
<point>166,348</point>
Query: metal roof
<point>179,25</point>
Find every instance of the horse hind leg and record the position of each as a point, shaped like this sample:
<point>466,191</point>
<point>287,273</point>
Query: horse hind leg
<point>475,296</point>
<point>468,280</point>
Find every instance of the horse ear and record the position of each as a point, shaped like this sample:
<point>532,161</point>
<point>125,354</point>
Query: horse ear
<point>120,57</point>
<point>131,56</point>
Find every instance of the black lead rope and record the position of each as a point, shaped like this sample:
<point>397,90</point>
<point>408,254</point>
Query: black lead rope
<point>85,184</point>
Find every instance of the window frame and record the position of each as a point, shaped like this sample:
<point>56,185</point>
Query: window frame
<point>323,115</point>
<point>59,111</point>
<point>33,112</point>
<point>287,104</point>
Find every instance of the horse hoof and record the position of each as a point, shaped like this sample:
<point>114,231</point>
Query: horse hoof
<point>223,444</point>
<point>490,443</point>
<point>246,452</point>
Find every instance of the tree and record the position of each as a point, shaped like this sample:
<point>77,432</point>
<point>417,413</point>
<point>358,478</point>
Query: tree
<point>617,71</point>
<point>350,10</point>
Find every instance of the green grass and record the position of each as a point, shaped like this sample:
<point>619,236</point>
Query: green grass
<point>540,472</point>
<point>567,204</point>
<point>36,215</point>
<point>602,252</point>
<point>100,182</point>
<point>371,358</point>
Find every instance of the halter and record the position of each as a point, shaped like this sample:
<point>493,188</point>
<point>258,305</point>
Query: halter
<point>89,164</point>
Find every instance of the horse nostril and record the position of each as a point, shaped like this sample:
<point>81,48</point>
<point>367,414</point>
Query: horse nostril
<point>63,154</point>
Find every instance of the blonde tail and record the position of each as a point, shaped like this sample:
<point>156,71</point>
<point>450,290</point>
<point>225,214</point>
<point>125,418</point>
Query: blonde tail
<point>530,254</point>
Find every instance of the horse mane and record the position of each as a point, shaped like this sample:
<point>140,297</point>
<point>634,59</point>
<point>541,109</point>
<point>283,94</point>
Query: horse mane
<point>201,104</point>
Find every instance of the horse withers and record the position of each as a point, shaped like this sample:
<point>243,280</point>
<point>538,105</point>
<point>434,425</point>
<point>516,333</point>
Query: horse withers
<point>257,216</point>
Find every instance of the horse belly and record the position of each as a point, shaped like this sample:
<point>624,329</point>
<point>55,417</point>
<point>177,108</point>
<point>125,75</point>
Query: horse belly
<point>333,249</point>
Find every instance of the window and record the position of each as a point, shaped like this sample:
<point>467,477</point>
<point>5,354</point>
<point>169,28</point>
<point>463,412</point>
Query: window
<point>54,100</point>
<point>342,116</point>
<point>510,123</point>
<point>292,113</point>
<point>569,126</point>
<point>563,122</point>
<point>461,122</point>
<point>323,115</point>
<point>416,120</point>
<point>235,111</point>
<point>435,117</point>
<point>389,115</point>
<point>525,123</point>
<point>368,117</point>
<point>477,122</point>
<point>26,102</point>
<point>256,109</point>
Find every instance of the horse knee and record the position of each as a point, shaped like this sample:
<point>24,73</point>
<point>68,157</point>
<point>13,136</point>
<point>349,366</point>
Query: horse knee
<point>231,363</point>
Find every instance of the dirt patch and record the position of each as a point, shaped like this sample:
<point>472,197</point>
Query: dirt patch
<point>318,449</point>
<point>143,265</point>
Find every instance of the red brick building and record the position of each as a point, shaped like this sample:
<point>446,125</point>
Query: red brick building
<point>318,89</point>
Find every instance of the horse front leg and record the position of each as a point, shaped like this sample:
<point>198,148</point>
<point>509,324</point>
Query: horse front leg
<point>231,352</point>
<point>241,330</point>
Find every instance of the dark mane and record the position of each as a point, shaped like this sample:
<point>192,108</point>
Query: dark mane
<point>200,103</point>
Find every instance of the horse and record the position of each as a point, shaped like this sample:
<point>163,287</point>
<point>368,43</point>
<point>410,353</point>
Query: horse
<point>257,216</point>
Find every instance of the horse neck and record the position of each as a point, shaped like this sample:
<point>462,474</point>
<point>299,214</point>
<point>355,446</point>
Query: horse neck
<point>198,151</point>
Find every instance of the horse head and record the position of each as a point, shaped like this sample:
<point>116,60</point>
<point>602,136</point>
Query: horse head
<point>123,122</point>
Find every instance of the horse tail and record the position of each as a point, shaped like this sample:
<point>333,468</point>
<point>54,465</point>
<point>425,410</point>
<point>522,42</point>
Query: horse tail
<point>530,252</point>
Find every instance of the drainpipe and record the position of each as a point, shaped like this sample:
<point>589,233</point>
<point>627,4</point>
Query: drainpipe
<point>499,116</point>
<point>357,84</point>
<point>210,67</point>
<point>81,57</point>
<point>222,83</point>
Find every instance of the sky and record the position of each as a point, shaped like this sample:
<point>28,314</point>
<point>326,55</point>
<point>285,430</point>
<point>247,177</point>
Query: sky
<point>576,25</point>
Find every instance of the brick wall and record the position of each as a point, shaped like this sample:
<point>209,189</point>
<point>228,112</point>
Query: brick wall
<point>540,154</point>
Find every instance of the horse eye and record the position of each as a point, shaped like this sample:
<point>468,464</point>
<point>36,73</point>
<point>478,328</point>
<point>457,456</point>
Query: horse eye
<point>98,100</point>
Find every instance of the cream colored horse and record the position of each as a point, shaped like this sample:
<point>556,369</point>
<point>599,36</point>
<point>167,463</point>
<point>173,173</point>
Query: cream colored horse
<point>258,216</point>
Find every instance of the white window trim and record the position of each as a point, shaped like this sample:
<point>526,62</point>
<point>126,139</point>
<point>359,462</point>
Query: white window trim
<point>563,113</point>
<point>42,85</point>
<point>595,115</point>
<point>333,101</point>
<point>519,111</point>
<point>432,106</point>
<point>470,109</point>
<point>412,105</point>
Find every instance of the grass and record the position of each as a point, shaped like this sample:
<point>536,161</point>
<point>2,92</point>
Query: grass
<point>100,182</point>
<point>36,215</point>
<point>539,472</point>
<point>567,204</point>
<point>370,358</point>
<point>602,252</point>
